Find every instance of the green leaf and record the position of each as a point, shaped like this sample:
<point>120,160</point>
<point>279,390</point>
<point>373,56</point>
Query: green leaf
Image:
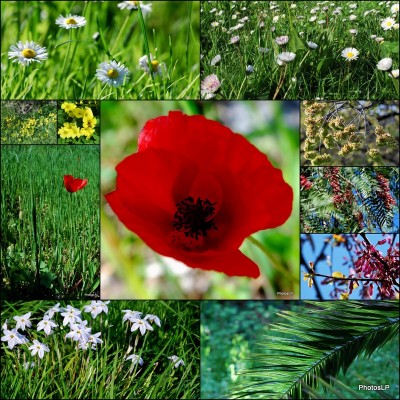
<point>295,42</point>
<point>323,340</point>
<point>389,47</point>
<point>47,278</point>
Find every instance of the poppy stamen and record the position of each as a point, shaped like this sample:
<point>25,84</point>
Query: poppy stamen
<point>194,218</point>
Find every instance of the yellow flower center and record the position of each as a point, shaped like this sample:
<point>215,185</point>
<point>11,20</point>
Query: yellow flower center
<point>388,23</point>
<point>350,54</point>
<point>154,65</point>
<point>112,73</point>
<point>28,53</point>
<point>70,21</point>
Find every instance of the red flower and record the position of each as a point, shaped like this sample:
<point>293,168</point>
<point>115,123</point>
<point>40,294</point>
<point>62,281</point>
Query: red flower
<point>195,190</point>
<point>74,184</point>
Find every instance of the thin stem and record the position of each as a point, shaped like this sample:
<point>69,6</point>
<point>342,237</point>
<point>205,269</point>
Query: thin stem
<point>64,63</point>
<point>117,40</point>
<point>281,80</point>
<point>147,48</point>
<point>276,264</point>
<point>351,279</point>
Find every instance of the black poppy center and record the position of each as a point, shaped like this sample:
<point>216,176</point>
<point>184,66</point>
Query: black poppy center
<point>194,218</point>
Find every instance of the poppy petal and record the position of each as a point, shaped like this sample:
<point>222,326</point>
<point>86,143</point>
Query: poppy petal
<point>195,190</point>
<point>74,184</point>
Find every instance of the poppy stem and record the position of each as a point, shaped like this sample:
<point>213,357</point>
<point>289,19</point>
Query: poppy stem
<point>274,260</point>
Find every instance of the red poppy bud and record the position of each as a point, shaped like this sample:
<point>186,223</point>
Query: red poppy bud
<point>195,190</point>
<point>74,184</point>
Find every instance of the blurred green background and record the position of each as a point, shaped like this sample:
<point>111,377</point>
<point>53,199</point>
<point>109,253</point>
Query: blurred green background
<point>130,269</point>
<point>231,331</point>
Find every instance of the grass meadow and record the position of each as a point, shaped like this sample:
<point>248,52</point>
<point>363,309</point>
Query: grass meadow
<point>169,32</point>
<point>28,122</point>
<point>66,372</point>
<point>239,46</point>
<point>130,269</point>
<point>50,245</point>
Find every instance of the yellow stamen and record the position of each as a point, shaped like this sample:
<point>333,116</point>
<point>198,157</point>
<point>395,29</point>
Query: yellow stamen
<point>112,73</point>
<point>154,65</point>
<point>350,54</point>
<point>70,21</point>
<point>28,53</point>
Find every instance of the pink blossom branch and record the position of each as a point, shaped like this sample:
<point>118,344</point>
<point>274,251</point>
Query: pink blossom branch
<point>351,279</point>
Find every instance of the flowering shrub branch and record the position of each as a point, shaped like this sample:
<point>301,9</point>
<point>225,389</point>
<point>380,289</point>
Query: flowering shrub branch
<point>346,200</point>
<point>369,267</point>
<point>350,133</point>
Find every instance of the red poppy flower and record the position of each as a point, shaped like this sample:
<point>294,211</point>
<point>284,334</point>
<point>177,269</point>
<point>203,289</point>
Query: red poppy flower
<point>74,184</point>
<point>195,190</point>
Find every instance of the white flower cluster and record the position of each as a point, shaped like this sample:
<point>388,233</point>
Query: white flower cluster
<point>142,324</point>
<point>72,317</point>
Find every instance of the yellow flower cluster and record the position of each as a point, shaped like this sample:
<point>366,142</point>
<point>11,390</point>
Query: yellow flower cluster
<point>29,128</point>
<point>71,129</point>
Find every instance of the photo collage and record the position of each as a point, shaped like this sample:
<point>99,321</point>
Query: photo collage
<point>200,200</point>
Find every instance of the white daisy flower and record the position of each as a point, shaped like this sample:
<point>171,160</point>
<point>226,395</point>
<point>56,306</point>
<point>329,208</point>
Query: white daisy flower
<point>285,57</point>
<point>215,60</point>
<point>27,52</point>
<point>209,86</point>
<point>394,74</point>
<point>112,73</point>
<point>395,8</point>
<point>133,5</point>
<point>236,27</point>
<point>350,53</point>
<point>155,68</point>
<point>385,64</point>
<point>234,39</point>
<point>388,23</point>
<point>282,40</point>
<point>312,45</point>
<point>71,21</point>
<point>353,31</point>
